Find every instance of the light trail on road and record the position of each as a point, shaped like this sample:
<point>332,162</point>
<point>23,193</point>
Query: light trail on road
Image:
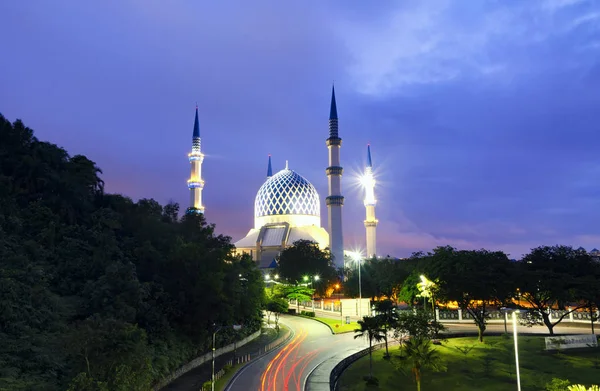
<point>269,376</point>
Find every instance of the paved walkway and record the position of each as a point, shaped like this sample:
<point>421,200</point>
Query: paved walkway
<point>194,379</point>
<point>318,379</point>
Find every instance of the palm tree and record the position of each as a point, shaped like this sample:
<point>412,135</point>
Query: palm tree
<point>422,355</point>
<point>387,318</point>
<point>370,328</point>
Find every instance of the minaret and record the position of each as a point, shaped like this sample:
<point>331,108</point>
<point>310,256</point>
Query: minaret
<point>335,200</point>
<point>370,202</point>
<point>269,169</point>
<point>195,183</point>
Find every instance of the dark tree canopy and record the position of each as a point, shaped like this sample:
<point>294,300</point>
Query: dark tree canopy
<point>379,277</point>
<point>305,258</point>
<point>557,276</point>
<point>475,279</point>
<point>101,289</point>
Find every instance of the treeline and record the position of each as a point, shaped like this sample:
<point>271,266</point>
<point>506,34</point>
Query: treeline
<point>479,281</point>
<point>98,292</point>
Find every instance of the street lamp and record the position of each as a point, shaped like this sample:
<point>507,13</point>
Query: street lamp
<point>514,320</point>
<point>357,256</point>
<point>215,331</point>
<point>515,337</point>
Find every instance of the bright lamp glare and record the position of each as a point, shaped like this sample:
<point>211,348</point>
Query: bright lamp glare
<point>355,255</point>
<point>316,278</point>
<point>368,183</point>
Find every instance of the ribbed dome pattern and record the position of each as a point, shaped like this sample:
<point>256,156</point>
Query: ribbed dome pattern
<point>286,193</point>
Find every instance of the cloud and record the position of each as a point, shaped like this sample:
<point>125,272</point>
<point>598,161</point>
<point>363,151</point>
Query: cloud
<point>440,41</point>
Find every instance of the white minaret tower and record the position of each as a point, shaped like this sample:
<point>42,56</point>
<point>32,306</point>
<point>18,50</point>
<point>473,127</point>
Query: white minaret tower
<point>195,183</point>
<point>368,181</point>
<point>335,200</point>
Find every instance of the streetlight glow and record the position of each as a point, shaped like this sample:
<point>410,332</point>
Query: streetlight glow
<point>317,277</point>
<point>267,277</point>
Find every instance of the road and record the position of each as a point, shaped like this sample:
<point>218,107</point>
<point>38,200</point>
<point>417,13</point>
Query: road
<point>576,328</point>
<point>287,368</point>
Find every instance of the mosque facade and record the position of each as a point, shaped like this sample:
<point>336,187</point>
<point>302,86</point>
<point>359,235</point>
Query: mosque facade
<point>287,206</point>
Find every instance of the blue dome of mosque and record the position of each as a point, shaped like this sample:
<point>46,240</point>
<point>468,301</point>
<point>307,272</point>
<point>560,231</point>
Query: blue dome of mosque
<point>287,193</point>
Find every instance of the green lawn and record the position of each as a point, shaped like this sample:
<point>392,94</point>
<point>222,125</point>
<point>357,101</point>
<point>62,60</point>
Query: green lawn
<point>489,366</point>
<point>337,326</point>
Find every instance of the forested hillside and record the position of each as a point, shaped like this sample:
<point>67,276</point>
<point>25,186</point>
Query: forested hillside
<point>98,292</point>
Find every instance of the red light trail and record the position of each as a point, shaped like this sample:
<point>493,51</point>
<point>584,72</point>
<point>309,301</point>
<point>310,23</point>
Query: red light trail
<point>286,369</point>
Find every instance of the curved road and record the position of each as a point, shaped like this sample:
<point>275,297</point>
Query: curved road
<point>287,368</point>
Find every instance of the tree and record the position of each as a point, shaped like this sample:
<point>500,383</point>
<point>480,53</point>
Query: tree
<point>421,354</point>
<point>417,324</point>
<point>277,306</point>
<point>409,291</point>
<point>305,258</point>
<point>98,292</point>
<point>380,277</point>
<point>386,314</point>
<point>589,292</point>
<point>298,293</point>
<point>475,279</point>
<point>371,329</point>
<point>553,276</point>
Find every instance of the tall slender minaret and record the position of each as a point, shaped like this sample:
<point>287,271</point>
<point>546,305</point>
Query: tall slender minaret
<point>335,200</point>
<point>269,169</point>
<point>370,202</point>
<point>195,183</point>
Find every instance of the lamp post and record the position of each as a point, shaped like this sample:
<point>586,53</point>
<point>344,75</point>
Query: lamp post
<point>310,279</point>
<point>357,258</point>
<point>215,331</point>
<point>506,310</point>
<point>359,292</point>
<point>514,321</point>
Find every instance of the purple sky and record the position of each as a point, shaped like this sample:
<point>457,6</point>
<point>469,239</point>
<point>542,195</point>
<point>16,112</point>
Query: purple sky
<point>483,116</point>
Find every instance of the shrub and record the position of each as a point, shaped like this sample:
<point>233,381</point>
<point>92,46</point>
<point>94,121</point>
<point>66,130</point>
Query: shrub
<point>557,385</point>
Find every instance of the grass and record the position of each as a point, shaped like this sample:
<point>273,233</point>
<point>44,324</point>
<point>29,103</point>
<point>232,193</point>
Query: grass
<point>488,366</point>
<point>336,325</point>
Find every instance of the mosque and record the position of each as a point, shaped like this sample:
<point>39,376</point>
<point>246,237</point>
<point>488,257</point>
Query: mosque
<point>287,206</point>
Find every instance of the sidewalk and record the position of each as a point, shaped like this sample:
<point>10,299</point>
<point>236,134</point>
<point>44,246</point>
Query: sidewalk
<point>318,379</point>
<point>194,379</point>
